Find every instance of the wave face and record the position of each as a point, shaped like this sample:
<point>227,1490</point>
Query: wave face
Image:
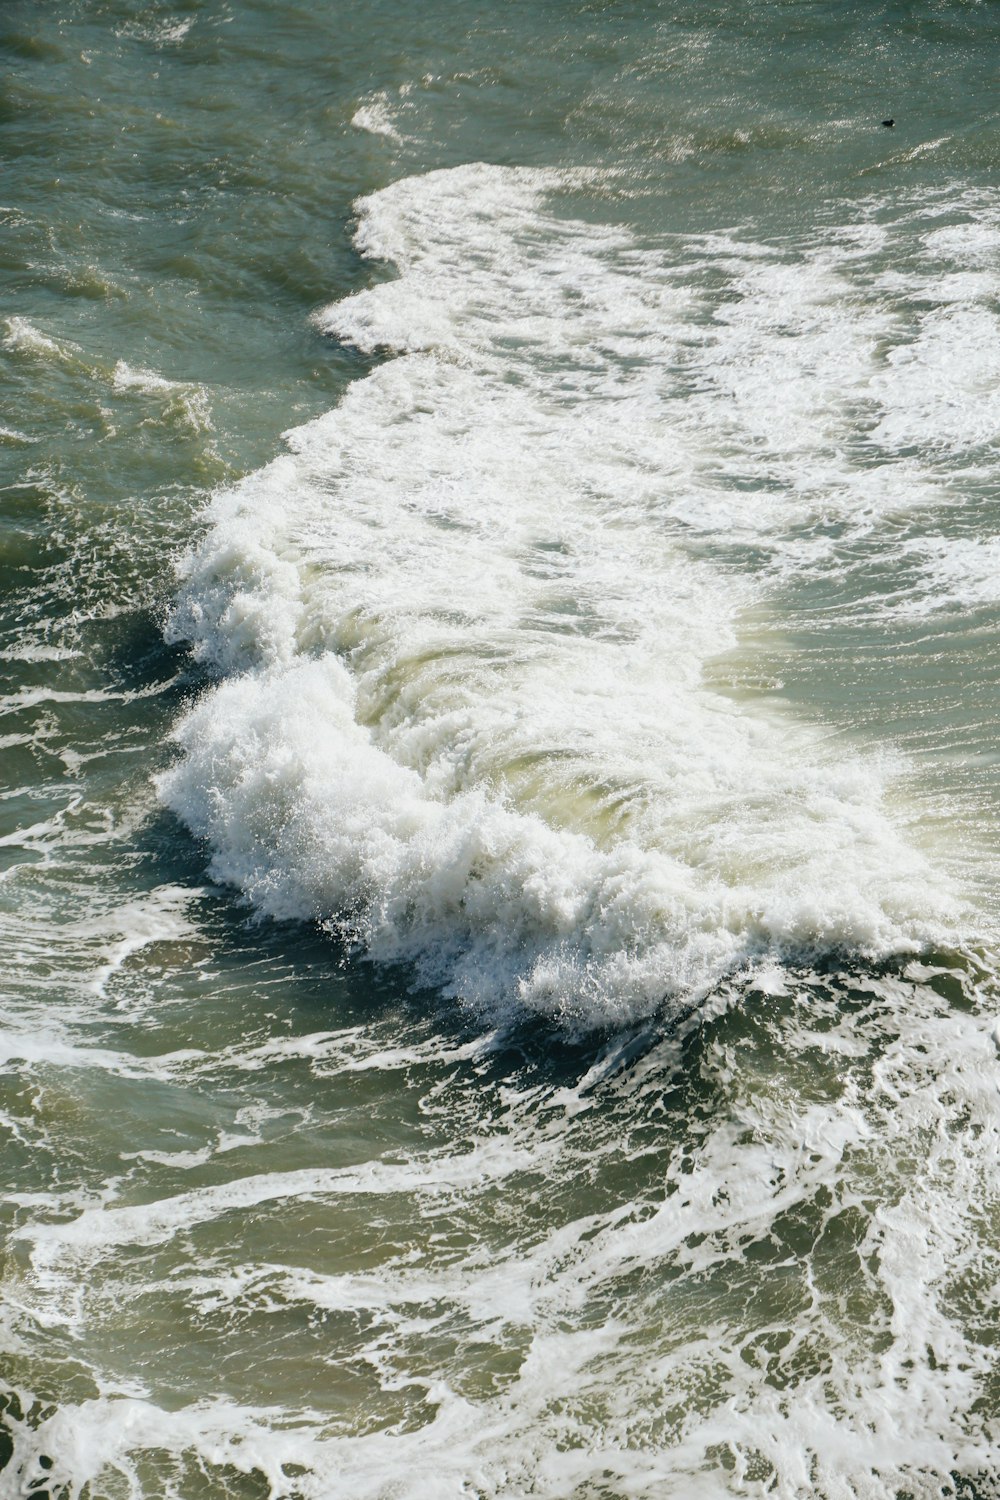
<point>469,627</point>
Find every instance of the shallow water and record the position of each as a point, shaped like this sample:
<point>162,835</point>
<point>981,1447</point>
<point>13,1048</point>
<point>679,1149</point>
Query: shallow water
<point>498,843</point>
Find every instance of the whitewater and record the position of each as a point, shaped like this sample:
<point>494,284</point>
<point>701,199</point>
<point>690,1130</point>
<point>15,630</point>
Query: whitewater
<point>498,604</point>
<point>466,623</point>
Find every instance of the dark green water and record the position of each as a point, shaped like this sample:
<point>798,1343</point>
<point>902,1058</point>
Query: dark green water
<point>498,884</point>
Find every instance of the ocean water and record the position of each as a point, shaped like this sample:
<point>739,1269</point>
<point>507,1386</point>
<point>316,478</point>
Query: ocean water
<point>499,608</point>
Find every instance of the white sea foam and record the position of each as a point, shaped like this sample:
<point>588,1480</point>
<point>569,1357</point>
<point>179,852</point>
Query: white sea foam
<point>959,574</point>
<point>38,651</point>
<point>466,721</point>
<point>375,115</point>
<point>96,1231</point>
<point>23,336</point>
<point>852,1368</point>
<point>125,378</point>
<point>161,916</point>
<point>942,386</point>
<point>181,400</point>
<point>160,32</point>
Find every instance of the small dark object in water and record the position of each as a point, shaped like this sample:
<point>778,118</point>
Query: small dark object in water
<point>888,124</point>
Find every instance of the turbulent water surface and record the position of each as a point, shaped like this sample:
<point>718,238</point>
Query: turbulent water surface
<point>500,588</point>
